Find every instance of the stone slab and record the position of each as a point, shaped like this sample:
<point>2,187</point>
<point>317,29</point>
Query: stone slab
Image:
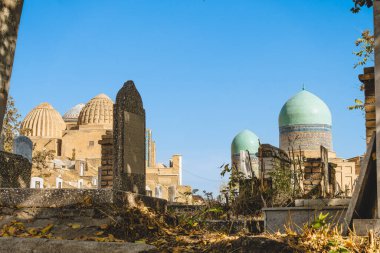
<point>275,219</point>
<point>23,146</point>
<point>129,140</point>
<point>34,245</point>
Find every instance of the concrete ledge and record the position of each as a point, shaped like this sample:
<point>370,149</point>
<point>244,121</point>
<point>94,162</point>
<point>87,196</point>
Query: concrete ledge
<point>269,209</point>
<point>275,219</point>
<point>362,226</point>
<point>76,198</point>
<point>322,202</point>
<point>34,245</point>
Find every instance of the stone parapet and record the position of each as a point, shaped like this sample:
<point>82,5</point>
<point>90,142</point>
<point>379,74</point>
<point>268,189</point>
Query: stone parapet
<point>75,198</point>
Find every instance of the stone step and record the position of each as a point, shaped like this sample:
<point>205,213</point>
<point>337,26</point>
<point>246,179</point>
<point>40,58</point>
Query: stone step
<point>29,245</point>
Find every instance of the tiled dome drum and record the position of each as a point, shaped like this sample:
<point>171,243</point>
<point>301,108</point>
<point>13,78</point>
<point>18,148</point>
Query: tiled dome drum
<point>98,111</point>
<point>43,121</point>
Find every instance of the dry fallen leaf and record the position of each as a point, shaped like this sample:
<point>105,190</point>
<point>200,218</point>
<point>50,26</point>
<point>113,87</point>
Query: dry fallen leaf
<point>75,226</point>
<point>46,229</point>
<point>103,226</point>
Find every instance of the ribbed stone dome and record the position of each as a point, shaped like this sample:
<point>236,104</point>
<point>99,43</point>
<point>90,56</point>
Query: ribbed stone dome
<point>245,140</point>
<point>72,115</point>
<point>43,121</point>
<point>304,108</point>
<point>98,111</point>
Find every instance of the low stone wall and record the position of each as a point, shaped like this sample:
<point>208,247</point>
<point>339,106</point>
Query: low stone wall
<point>15,171</point>
<point>77,198</point>
<point>275,219</point>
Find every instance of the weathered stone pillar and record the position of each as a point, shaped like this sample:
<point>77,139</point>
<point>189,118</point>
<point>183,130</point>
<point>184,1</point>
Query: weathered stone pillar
<point>367,78</point>
<point>10,13</point>
<point>129,141</point>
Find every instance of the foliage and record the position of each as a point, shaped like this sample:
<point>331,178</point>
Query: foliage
<point>321,236</point>
<point>281,191</point>
<point>320,221</point>
<point>248,196</point>
<point>358,4</point>
<point>142,225</point>
<point>187,196</point>
<point>359,105</point>
<point>365,44</point>
<point>11,125</point>
<point>41,159</point>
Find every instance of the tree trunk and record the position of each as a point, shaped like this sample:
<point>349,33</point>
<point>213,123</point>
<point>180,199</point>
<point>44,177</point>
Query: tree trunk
<point>10,13</point>
<point>376,17</point>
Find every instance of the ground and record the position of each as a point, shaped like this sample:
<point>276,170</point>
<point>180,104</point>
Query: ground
<point>171,233</point>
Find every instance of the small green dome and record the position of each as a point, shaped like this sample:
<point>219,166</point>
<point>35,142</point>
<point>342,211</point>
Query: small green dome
<point>303,109</point>
<point>245,140</point>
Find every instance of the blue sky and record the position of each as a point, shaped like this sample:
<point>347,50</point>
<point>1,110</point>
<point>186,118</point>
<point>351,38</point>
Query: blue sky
<point>206,69</point>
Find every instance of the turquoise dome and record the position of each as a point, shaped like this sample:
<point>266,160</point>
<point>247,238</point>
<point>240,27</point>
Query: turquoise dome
<point>303,109</point>
<point>245,140</point>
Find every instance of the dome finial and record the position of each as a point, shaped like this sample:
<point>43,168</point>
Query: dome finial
<point>303,87</point>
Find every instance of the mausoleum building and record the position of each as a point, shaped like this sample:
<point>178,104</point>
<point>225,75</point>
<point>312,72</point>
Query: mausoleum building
<point>305,134</point>
<point>74,140</point>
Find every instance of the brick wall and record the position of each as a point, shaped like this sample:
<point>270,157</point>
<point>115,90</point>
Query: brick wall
<point>367,78</point>
<point>312,175</point>
<point>312,170</point>
<point>106,171</point>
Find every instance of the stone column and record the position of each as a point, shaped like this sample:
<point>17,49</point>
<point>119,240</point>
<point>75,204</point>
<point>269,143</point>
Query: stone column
<point>129,141</point>
<point>10,13</point>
